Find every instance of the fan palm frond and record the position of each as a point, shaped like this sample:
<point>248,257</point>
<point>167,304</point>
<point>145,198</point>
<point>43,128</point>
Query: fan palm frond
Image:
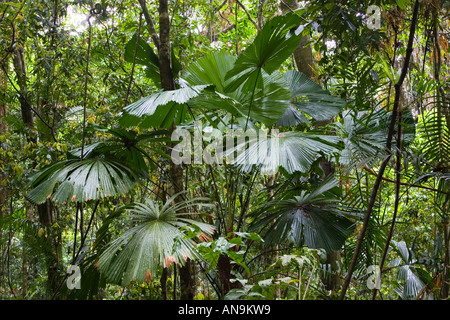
<point>414,277</point>
<point>314,219</point>
<point>436,135</point>
<point>156,238</point>
<point>81,180</point>
<point>271,47</point>
<point>293,151</point>
<point>309,98</point>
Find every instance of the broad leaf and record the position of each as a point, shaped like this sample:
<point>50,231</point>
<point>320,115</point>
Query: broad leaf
<point>293,151</point>
<point>145,56</point>
<point>148,105</point>
<point>277,40</point>
<point>265,104</point>
<point>308,97</point>
<point>163,108</point>
<point>81,180</point>
<point>155,239</point>
<point>291,118</point>
<point>210,69</point>
<point>127,146</point>
<point>364,137</point>
<point>414,278</point>
<point>313,219</point>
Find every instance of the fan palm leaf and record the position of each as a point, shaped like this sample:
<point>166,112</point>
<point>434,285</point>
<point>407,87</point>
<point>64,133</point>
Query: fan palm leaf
<point>309,98</point>
<point>293,151</point>
<point>414,277</point>
<point>314,219</point>
<point>156,237</point>
<point>81,180</point>
<point>363,137</point>
<point>265,104</point>
<point>126,146</point>
<point>271,47</point>
<point>436,135</point>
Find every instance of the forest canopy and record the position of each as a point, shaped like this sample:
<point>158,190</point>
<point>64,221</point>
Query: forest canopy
<point>224,150</point>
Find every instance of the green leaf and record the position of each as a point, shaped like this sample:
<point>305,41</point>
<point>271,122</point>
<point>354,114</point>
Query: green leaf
<point>308,97</point>
<point>210,69</point>
<point>364,137</point>
<point>154,240</point>
<point>148,105</point>
<point>145,56</point>
<point>161,109</point>
<point>311,218</point>
<point>291,118</point>
<point>293,151</point>
<point>265,104</point>
<point>76,180</point>
<point>277,40</point>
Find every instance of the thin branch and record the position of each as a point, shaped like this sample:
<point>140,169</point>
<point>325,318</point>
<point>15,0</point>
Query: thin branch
<point>75,258</point>
<point>248,15</point>
<point>86,77</point>
<point>134,59</point>
<point>396,201</point>
<point>22,96</point>
<point>10,48</point>
<point>220,6</point>
<point>412,185</point>
<point>150,24</point>
<point>384,164</point>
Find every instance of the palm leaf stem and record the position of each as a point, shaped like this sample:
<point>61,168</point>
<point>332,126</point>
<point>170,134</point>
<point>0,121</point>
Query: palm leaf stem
<point>251,99</point>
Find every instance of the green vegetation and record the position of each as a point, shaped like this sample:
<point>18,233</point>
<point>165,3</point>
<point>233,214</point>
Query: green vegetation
<point>213,150</point>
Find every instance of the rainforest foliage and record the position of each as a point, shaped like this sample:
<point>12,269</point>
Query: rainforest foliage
<point>209,149</point>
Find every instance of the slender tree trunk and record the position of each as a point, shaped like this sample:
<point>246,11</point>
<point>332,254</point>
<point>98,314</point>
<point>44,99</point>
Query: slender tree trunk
<point>3,131</point>
<point>187,283</point>
<point>3,175</point>
<point>260,15</point>
<point>303,55</point>
<point>385,162</point>
<point>44,210</point>
<point>165,65</point>
<point>25,256</point>
<point>21,73</point>
<point>163,282</point>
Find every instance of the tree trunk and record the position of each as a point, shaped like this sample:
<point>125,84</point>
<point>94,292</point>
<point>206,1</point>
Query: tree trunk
<point>187,285</point>
<point>20,69</point>
<point>187,281</point>
<point>44,210</point>
<point>163,283</point>
<point>303,55</point>
<point>3,131</point>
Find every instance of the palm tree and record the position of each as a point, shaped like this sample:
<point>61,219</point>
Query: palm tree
<point>157,236</point>
<point>313,218</point>
<point>247,87</point>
